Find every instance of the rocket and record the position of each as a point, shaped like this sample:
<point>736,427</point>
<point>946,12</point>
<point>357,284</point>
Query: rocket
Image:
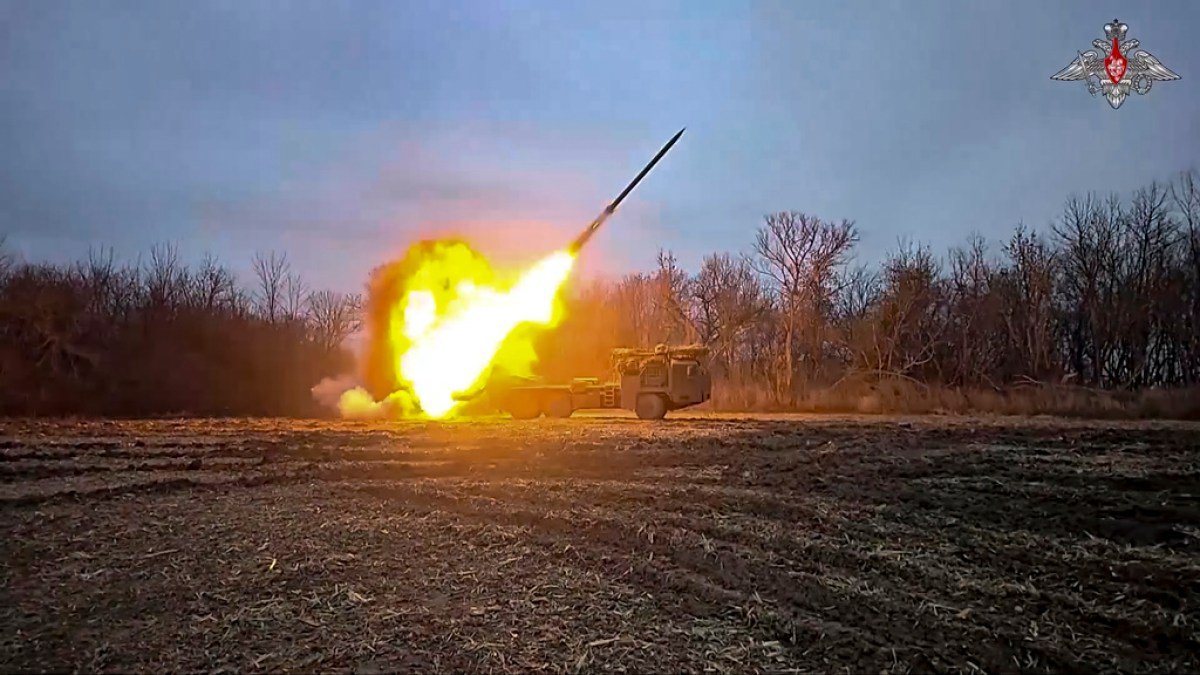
<point>608,210</point>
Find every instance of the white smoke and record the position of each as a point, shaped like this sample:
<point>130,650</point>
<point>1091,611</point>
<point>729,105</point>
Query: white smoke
<point>329,390</point>
<point>347,396</point>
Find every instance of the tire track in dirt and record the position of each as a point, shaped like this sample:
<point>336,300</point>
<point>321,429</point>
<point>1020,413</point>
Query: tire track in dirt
<point>820,547</point>
<point>603,547</point>
<point>739,574</point>
<point>500,496</point>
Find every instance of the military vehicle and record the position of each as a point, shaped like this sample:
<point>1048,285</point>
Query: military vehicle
<point>650,382</point>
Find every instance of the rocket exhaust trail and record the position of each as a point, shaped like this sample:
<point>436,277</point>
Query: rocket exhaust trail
<point>608,210</point>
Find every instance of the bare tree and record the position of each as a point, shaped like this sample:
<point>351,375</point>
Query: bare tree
<point>1148,304</point>
<point>859,292</point>
<point>1185,194</point>
<point>333,317</point>
<point>214,287</point>
<point>271,270</point>
<point>1088,238</point>
<point>295,294</point>
<point>99,275</point>
<point>166,278</point>
<point>7,260</point>
<point>908,323</point>
<point>973,327</point>
<point>1028,306</point>
<point>671,290</point>
<point>727,300</point>
<point>633,296</point>
<point>800,255</point>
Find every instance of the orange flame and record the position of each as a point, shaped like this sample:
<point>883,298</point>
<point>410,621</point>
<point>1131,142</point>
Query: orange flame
<point>446,320</point>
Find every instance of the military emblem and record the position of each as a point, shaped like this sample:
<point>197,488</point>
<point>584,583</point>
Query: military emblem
<point>1116,67</point>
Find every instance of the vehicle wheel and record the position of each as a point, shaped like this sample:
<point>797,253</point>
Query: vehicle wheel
<point>523,409</point>
<point>559,406</point>
<point>651,407</point>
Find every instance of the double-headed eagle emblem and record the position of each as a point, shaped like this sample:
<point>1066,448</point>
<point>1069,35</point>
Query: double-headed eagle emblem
<point>1108,70</point>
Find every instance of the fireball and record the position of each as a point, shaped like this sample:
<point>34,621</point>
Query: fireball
<point>443,319</point>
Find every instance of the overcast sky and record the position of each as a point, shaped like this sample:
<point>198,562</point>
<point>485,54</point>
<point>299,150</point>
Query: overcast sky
<point>340,132</point>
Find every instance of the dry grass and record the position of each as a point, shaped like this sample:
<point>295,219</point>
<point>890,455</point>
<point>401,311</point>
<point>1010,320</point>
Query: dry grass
<point>899,396</point>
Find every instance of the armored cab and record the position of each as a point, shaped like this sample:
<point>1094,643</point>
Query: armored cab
<point>656,381</point>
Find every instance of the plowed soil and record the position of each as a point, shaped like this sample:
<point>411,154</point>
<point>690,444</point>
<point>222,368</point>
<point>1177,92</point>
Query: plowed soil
<point>702,543</point>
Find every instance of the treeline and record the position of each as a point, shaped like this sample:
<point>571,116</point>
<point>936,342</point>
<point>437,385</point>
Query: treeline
<point>1101,313</point>
<point>159,337</point>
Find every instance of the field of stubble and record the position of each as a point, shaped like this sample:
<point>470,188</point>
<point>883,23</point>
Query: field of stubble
<point>727,544</point>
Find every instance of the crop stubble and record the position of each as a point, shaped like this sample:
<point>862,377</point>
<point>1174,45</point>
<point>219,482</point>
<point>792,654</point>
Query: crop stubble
<point>726,543</point>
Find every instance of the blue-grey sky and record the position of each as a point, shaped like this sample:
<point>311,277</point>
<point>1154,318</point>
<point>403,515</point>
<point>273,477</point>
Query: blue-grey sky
<point>340,132</point>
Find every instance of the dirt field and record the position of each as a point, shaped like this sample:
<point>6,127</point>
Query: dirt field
<point>728,544</point>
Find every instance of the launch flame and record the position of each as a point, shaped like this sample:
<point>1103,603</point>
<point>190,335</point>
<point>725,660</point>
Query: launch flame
<point>450,352</point>
<point>447,321</point>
